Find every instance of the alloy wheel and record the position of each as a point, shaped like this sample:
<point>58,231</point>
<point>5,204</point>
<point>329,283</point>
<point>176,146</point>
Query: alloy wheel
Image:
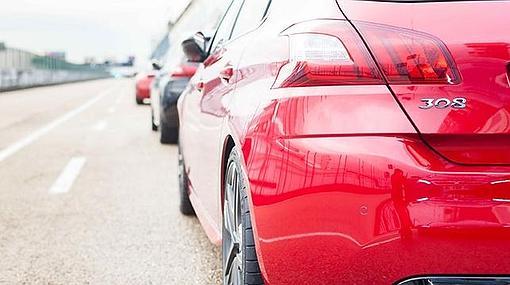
<point>233,271</point>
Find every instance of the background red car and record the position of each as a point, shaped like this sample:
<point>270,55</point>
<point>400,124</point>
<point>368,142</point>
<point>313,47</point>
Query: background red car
<point>358,142</point>
<point>143,87</point>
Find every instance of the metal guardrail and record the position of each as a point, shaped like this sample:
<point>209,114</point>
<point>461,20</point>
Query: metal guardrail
<point>22,69</point>
<point>18,79</point>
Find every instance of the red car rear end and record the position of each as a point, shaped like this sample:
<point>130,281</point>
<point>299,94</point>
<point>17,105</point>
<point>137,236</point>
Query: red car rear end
<point>374,142</point>
<point>143,87</point>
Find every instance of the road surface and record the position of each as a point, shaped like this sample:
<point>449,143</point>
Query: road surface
<point>88,195</point>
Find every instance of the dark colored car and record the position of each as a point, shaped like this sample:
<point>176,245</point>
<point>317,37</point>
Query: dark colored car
<point>164,95</point>
<point>352,142</point>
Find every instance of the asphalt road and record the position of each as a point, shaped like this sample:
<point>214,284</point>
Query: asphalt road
<point>88,195</point>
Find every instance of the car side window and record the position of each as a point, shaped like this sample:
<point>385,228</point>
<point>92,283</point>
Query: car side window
<point>224,30</point>
<point>252,13</point>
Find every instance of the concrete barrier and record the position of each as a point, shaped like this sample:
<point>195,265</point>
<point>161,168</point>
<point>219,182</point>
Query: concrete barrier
<point>13,79</point>
<point>22,69</point>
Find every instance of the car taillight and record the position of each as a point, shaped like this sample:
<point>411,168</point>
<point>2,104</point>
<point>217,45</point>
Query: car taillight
<point>330,52</point>
<point>186,71</point>
<point>326,52</point>
<point>409,57</point>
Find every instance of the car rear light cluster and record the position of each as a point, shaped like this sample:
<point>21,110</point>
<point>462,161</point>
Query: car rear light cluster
<point>410,57</point>
<point>185,71</point>
<point>327,52</point>
<point>330,52</point>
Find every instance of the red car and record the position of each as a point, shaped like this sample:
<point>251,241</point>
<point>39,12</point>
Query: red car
<point>352,142</point>
<point>143,87</point>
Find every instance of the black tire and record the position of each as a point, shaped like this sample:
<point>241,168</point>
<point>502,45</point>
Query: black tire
<point>139,101</point>
<point>185,204</point>
<point>154,127</point>
<point>252,274</point>
<point>168,135</point>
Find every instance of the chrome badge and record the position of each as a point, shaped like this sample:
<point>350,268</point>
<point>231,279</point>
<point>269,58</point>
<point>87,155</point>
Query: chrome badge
<point>443,103</point>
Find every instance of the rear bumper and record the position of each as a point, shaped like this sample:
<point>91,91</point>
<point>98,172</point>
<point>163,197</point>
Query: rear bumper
<point>143,92</point>
<point>374,210</point>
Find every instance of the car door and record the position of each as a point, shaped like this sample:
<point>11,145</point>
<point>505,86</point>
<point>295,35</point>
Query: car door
<point>204,110</point>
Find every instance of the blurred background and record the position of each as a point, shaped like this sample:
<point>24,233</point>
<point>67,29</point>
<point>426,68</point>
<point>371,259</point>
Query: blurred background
<point>52,41</point>
<point>88,188</point>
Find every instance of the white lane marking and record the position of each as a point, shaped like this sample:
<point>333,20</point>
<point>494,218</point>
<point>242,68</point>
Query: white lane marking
<point>66,179</point>
<point>100,126</point>
<point>119,97</point>
<point>17,146</point>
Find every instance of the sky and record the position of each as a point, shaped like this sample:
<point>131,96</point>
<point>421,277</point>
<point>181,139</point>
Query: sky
<point>87,28</point>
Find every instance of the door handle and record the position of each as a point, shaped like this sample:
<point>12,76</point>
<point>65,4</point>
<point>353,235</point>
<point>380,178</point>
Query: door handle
<point>227,73</point>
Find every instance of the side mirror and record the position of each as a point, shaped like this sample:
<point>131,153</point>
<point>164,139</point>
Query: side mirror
<point>156,64</point>
<point>195,48</point>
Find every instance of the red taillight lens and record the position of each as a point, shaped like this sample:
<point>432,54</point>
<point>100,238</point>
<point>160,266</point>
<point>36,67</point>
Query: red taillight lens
<point>326,52</point>
<point>184,71</point>
<point>409,57</point>
<point>330,52</point>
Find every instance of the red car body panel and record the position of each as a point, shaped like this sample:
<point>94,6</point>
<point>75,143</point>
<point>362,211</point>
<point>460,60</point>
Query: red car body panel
<point>184,71</point>
<point>478,41</point>
<point>205,104</point>
<point>345,187</point>
<point>143,86</point>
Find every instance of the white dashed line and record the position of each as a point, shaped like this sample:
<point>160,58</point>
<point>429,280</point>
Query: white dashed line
<point>66,179</point>
<point>19,145</point>
<point>119,97</point>
<point>100,126</point>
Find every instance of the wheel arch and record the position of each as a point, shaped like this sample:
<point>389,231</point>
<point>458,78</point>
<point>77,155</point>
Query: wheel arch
<point>230,143</point>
